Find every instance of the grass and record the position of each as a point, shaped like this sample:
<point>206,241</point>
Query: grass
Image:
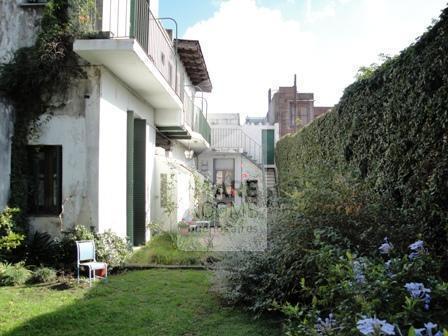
<point>152,302</point>
<point>163,250</point>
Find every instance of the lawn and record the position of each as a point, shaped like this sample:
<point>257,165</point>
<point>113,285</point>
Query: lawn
<point>163,250</point>
<point>153,302</point>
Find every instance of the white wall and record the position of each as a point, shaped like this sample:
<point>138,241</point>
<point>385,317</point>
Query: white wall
<point>244,168</point>
<point>75,127</point>
<point>173,162</point>
<point>116,100</point>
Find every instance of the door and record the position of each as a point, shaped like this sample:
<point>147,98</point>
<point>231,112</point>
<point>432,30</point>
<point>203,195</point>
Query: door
<point>139,187</point>
<point>268,147</point>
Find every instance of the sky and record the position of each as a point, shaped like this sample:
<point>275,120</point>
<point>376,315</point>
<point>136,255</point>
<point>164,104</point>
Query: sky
<point>253,45</point>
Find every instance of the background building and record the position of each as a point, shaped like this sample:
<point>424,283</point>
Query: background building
<point>292,109</point>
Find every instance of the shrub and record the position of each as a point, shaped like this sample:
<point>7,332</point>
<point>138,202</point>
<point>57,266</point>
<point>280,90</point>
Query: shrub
<point>13,274</point>
<point>9,239</point>
<point>43,275</point>
<point>41,249</point>
<point>112,249</point>
<point>388,134</point>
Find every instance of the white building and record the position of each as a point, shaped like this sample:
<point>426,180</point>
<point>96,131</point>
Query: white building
<point>103,159</point>
<point>241,158</point>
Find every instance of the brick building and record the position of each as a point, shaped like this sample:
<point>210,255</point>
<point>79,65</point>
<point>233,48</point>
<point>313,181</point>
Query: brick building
<point>292,109</point>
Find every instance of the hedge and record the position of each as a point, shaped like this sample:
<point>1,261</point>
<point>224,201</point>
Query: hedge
<point>391,130</point>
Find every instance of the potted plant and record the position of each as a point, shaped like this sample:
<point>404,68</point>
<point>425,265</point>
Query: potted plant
<point>183,228</point>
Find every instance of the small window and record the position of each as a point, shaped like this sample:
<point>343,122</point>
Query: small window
<point>45,180</point>
<point>292,114</point>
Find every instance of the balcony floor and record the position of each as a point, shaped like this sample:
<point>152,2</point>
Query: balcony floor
<point>126,59</point>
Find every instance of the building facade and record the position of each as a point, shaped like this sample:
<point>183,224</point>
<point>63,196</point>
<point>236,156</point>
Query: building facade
<point>102,159</point>
<point>240,161</point>
<point>292,109</point>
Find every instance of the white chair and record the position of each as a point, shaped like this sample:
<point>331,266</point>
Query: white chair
<point>86,258</point>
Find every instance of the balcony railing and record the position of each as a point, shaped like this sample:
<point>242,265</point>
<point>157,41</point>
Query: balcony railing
<point>134,19</point>
<point>233,139</point>
<point>194,117</point>
<point>201,125</point>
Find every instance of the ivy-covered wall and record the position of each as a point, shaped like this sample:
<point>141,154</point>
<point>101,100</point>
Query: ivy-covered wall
<point>389,132</point>
<point>19,28</point>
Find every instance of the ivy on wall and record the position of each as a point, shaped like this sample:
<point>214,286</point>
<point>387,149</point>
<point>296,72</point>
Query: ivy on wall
<point>36,80</point>
<point>389,134</point>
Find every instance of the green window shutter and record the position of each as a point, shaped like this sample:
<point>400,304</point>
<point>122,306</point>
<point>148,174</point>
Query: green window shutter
<point>130,177</point>
<point>139,182</point>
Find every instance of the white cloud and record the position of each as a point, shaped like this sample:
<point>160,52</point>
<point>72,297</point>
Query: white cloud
<point>250,48</point>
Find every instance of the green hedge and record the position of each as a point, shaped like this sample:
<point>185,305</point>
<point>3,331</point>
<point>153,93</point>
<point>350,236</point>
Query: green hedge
<point>389,131</point>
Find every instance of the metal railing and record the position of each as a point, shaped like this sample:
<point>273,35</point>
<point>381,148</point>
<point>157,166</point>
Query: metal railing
<point>134,19</point>
<point>235,140</point>
<point>201,125</point>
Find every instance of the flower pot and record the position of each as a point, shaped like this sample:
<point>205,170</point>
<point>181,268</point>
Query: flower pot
<point>100,272</point>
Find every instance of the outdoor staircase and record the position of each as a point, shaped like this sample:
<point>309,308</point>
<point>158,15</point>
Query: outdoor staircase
<point>234,140</point>
<point>271,179</point>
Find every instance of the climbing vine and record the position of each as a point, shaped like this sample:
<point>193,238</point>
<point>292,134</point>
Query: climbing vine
<point>36,80</point>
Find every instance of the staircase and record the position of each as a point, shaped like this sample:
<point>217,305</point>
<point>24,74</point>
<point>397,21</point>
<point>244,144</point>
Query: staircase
<point>233,139</point>
<point>271,180</point>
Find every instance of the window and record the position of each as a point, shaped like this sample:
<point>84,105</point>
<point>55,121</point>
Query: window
<point>292,114</point>
<point>45,180</point>
<point>224,177</point>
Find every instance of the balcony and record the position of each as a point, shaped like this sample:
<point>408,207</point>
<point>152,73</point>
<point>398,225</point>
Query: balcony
<point>196,133</point>
<point>140,52</point>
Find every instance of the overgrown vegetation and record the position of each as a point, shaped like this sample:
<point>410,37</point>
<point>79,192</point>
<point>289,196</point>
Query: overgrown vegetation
<point>374,167</point>
<point>35,82</point>
<point>387,140</point>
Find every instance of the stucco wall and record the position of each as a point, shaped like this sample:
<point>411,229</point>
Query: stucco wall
<point>244,168</point>
<point>173,162</point>
<point>75,127</point>
<point>116,100</point>
<point>18,28</point>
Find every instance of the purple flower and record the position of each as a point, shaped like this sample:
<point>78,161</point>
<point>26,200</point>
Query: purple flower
<point>374,326</point>
<point>324,327</point>
<point>386,247</point>
<point>417,245</point>
<point>417,249</point>
<point>418,291</point>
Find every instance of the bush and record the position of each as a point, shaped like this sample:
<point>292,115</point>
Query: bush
<point>112,249</point>
<point>13,274</point>
<point>403,290</point>
<point>40,249</point>
<point>43,275</point>
<point>388,135</point>
<point>9,238</point>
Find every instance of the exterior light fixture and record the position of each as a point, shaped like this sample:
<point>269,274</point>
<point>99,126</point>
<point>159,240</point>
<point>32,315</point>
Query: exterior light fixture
<point>189,154</point>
